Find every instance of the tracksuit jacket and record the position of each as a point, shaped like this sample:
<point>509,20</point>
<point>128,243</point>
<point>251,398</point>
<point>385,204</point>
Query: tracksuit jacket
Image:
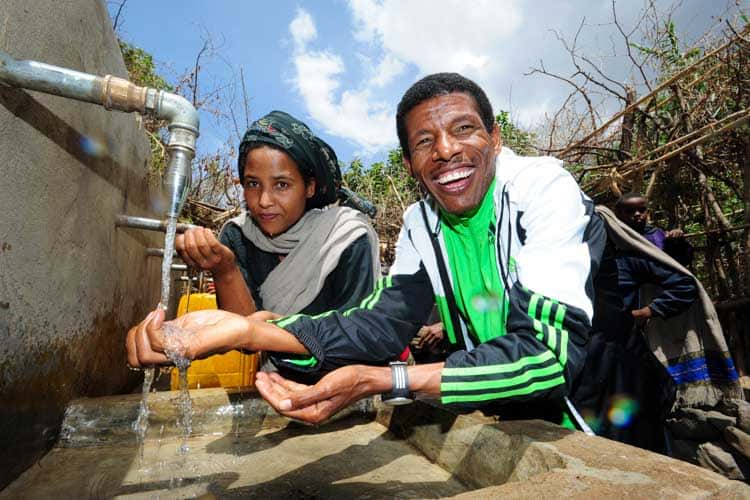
<point>549,243</point>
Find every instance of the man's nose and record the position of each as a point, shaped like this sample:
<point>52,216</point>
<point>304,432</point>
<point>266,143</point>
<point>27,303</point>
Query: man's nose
<point>445,147</point>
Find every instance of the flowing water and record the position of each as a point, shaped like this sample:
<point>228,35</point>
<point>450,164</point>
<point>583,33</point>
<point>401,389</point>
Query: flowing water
<point>175,347</point>
<point>175,350</point>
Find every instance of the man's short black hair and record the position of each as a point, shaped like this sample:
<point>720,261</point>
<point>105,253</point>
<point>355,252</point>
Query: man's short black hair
<point>625,198</point>
<point>435,85</point>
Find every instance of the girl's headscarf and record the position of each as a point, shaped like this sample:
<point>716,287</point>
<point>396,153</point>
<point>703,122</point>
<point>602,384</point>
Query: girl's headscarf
<point>314,157</point>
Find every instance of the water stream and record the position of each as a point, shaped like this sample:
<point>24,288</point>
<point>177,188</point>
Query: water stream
<point>175,351</point>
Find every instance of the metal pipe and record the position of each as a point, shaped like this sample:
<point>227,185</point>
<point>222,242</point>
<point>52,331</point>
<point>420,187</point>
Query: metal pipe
<point>194,278</point>
<point>179,267</point>
<point>120,94</point>
<point>158,252</point>
<point>149,224</point>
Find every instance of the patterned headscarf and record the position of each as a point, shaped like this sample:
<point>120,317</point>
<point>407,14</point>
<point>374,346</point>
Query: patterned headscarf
<point>313,156</point>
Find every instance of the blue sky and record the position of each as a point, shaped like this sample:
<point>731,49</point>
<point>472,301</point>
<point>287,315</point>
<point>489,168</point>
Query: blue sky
<point>341,66</point>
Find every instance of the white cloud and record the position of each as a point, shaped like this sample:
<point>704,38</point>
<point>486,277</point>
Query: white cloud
<point>451,35</point>
<point>302,29</point>
<point>387,69</point>
<point>355,115</point>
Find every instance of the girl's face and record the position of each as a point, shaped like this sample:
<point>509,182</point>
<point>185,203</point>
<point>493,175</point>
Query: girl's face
<point>275,191</point>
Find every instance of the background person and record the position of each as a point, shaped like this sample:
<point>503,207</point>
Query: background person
<point>632,209</point>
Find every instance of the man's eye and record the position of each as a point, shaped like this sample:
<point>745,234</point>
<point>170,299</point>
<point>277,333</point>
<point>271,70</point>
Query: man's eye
<point>422,142</point>
<point>282,185</point>
<point>465,128</point>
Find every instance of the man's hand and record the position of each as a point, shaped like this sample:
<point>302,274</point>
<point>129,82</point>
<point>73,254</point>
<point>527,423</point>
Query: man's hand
<point>430,335</point>
<point>675,233</point>
<point>202,333</point>
<point>316,403</point>
<point>642,315</point>
<point>200,249</point>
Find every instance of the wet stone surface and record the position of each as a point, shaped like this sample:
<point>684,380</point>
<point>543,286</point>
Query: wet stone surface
<point>243,450</point>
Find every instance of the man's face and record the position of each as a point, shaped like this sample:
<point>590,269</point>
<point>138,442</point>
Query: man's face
<point>634,212</point>
<point>452,154</point>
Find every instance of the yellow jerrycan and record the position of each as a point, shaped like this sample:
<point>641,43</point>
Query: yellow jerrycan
<point>232,369</point>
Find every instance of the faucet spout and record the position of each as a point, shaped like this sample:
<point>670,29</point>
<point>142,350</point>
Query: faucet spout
<point>115,93</point>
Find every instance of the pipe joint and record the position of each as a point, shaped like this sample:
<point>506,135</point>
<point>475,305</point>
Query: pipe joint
<point>178,111</point>
<point>180,137</point>
<point>122,95</point>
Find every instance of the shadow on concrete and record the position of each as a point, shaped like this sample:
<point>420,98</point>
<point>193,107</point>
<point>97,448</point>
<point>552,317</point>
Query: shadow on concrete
<point>22,105</point>
<point>326,478</point>
<point>239,444</point>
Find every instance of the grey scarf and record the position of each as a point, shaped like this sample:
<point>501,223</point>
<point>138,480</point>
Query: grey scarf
<point>313,247</point>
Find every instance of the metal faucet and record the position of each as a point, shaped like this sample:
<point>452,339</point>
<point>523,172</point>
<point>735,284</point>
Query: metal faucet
<point>119,94</point>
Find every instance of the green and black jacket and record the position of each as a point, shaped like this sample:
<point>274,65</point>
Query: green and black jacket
<point>549,243</point>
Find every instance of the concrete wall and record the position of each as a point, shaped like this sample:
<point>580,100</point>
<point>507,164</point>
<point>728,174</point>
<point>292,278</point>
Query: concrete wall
<point>70,282</point>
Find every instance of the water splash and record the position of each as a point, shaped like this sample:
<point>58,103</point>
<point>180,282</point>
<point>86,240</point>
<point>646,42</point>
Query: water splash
<point>175,347</point>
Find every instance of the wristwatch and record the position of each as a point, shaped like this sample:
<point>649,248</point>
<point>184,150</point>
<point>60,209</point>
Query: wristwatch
<point>399,394</point>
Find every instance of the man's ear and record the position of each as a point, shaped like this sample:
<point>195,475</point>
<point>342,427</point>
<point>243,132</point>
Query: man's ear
<point>497,139</point>
<point>310,188</point>
<point>407,163</point>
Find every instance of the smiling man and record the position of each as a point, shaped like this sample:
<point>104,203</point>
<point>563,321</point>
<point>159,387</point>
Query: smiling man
<point>506,246</point>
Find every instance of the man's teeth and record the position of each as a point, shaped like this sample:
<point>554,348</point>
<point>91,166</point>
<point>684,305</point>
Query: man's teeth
<point>454,176</point>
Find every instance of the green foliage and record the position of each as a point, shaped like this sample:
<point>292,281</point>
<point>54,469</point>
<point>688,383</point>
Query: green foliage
<point>520,141</point>
<point>141,68</point>
<point>383,182</point>
<point>667,51</point>
<point>142,71</point>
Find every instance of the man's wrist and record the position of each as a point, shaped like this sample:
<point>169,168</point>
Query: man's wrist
<point>376,379</point>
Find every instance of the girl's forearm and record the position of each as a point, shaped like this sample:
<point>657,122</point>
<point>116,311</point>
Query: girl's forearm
<point>232,293</point>
<point>263,336</point>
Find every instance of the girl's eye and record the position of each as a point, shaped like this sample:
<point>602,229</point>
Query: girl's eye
<point>251,184</point>
<point>282,185</point>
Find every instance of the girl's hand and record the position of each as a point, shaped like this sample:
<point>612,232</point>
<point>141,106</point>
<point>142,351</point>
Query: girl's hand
<point>200,249</point>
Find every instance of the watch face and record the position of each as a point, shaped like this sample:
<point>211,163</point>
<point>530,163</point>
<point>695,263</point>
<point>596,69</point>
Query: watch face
<point>398,401</point>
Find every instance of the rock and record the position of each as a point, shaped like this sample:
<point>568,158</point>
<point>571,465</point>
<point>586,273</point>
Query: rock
<point>719,420</point>
<point>692,424</point>
<point>737,408</point>
<point>738,440</point>
<point>730,406</point>
<point>712,456</point>
<point>686,450</point>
